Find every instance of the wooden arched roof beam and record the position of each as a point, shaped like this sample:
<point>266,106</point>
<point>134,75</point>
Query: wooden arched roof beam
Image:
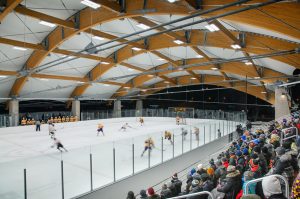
<point>256,44</point>
<point>173,36</point>
<point>9,7</point>
<point>240,85</point>
<point>109,11</point>
<point>233,68</point>
<point>88,18</point>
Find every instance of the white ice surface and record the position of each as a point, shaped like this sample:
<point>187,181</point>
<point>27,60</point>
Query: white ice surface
<point>22,147</point>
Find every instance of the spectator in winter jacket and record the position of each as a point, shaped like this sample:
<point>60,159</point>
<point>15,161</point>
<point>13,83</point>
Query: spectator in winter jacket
<point>233,183</point>
<point>267,155</point>
<point>165,191</point>
<point>240,161</point>
<point>200,169</point>
<point>220,172</point>
<point>212,164</point>
<point>248,175</point>
<point>211,175</point>
<point>176,183</point>
<point>152,194</point>
<point>143,194</point>
<point>232,159</point>
<point>195,189</point>
<point>255,168</point>
<point>272,188</point>
<point>225,162</point>
<point>261,160</point>
<point>293,153</point>
<point>130,195</point>
<point>207,184</point>
<point>296,188</point>
<point>283,165</point>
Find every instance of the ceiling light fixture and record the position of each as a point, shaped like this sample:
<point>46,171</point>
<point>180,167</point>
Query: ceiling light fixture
<point>171,1</point>
<point>150,75</point>
<point>235,46</point>
<point>193,78</point>
<point>212,27</point>
<point>256,77</point>
<point>178,41</point>
<point>43,79</point>
<point>104,62</point>
<point>19,48</point>
<point>142,26</point>
<point>106,84</point>
<point>127,87</point>
<point>45,23</point>
<point>199,56</point>
<point>98,38</point>
<point>264,92</point>
<point>161,59</point>
<point>248,63</point>
<point>91,4</point>
<point>136,48</point>
<point>130,69</point>
<point>80,82</point>
<point>214,68</point>
<point>3,76</point>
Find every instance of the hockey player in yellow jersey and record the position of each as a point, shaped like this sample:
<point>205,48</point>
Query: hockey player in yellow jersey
<point>168,135</point>
<point>100,129</point>
<point>149,143</point>
<point>141,121</point>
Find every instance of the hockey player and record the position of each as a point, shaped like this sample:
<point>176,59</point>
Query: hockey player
<point>100,129</point>
<point>38,125</point>
<point>141,121</point>
<point>124,127</point>
<point>184,133</point>
<point>196,131</point>
<point>177,120</point>
<point>149,143</point>
<point>168,135</point>
<point>51,130</point>
<point>58,145</point>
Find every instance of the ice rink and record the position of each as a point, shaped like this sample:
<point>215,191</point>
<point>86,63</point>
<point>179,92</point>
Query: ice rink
<point>22,147</point>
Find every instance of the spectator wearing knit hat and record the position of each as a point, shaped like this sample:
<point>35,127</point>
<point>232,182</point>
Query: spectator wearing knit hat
<point>233,183</point>
<point>261,160</point>
<point>130,195</point>
<point>143,194</point>
<point>176,183</point>
<point>152,194</point>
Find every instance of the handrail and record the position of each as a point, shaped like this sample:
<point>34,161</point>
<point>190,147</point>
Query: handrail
<point>287,191</point>
<point>195,194</point>
<point>282,136</point>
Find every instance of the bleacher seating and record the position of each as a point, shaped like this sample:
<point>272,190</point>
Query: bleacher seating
<point>259,157</point>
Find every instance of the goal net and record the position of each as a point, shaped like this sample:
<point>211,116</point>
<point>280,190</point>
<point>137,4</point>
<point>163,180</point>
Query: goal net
<point>182,113</point>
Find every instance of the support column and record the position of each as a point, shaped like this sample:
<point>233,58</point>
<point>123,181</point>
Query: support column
<point>281,103</point>
<point>76,108</point>
<point>14,112</point>
<point>139,108</point>
<point>117,108</point>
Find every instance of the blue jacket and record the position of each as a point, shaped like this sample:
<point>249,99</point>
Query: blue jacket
<point>251,188</point>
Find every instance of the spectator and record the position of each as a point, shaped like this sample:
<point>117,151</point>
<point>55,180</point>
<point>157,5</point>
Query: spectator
<point>296,188</point>
<point>250,196</point>
<point>283,165</point>
<point>272,188</point>
<point>165,191</point>
<point>195,189</point>
<point>143,194</point>
<point>248,175</point>
<point>176,183</point>
<point>233,183</point>
<point>207,184</point>
<point>240,161</point>
<point>130,195</point>
<point>220,172</point>
<point>152,194</point>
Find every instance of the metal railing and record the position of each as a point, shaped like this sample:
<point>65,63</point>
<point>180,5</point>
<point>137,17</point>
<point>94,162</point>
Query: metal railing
<point>287,191</point>
<point>195,194</point>
<point>283,134</point>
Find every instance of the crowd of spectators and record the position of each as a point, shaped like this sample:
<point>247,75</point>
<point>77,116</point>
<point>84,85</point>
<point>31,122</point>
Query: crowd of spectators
<point>256,153</point>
